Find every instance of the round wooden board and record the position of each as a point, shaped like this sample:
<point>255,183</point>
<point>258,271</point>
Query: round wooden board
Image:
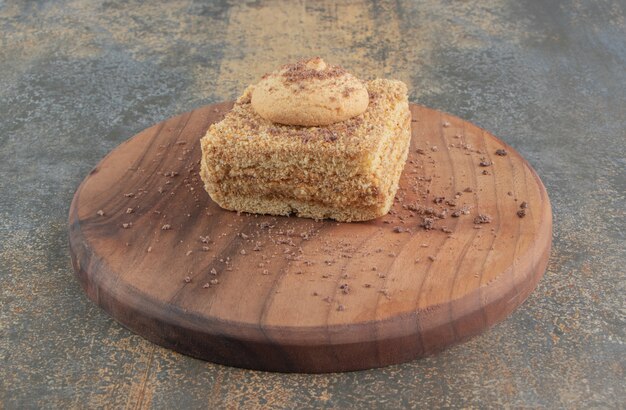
<point>299,295</point>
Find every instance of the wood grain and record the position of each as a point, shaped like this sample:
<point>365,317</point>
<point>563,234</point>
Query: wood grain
<point>279,303</point>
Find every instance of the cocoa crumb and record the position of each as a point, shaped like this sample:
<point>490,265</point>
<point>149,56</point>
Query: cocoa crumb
<point>100,212</point>
<point>214,281</point>
<point>345,289</point>
<point>484,162</point>
<point>439,199</point>
<point>204,239</point>
<point>213,271</point>
<point>468,189</point>
<point>205,248</point>
<point>127,225</point>
<point>187,279</point>
<point>485,172</point>
<point>170,174</point>
<point>523,205</point>
<point>399,229</point>
<point>428,223</point>
<point>521,213</point>
<point>482,219</point>
<point>129,210</point>
<point>206,285</point>
<point>129,195</point>
<point>501,152</point>
<point>166,227</point>
<point>341,308</point>
<point>243,251</point>
<point>420,151</point>
<point>265,272</point>
<point>367,285</point>
<point>446,230</point>
<point>315,294</point>
<point>431,258</point>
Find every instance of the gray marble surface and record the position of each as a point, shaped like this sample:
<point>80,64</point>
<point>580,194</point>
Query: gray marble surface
<point>548,77</point>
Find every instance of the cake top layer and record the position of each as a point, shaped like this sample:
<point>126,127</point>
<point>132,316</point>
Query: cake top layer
<point>309,93</point>
<point>244,127</point>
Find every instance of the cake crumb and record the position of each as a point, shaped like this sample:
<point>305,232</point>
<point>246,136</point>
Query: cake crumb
<point>166,227</point>
<point>206,285</point>
<point>127,225</point>
<point>214,281</point>
<point>188,253</point>
<point>213,271</point>
<point>501,152</point>
<point>100,212</point>
<point>129,210</point>
<point>187,279</point>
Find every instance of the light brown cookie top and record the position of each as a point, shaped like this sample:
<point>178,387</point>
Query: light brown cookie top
<point>309,93</point>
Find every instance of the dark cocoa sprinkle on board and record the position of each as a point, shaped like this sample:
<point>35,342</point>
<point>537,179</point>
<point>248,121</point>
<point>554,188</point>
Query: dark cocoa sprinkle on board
<point>482,219</point>
<point>345,289</point>
<point>428,223</point>
<point>367,285</point>
<point>166,227</point>
<point>420,151</point>
<point>468,189</point>
<point>523,205</point>
<point>485,172</point>
<point>315,294</point>
<point>456,213</point>
<point>341,308</point>
<point>431,258</point>
<point>100,212</point>
<point>521,213</point>
<point>439,199</point>
<point>484,162</point>
<point>399,229</point>
<point>501,152</point>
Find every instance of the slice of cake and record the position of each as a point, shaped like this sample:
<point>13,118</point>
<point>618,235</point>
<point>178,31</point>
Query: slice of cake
<point>313,141</point>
